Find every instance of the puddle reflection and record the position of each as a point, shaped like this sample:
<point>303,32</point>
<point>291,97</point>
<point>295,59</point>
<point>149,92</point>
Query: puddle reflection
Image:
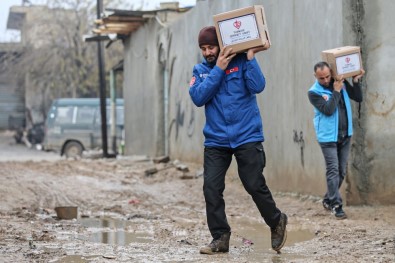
<point>113,231</point>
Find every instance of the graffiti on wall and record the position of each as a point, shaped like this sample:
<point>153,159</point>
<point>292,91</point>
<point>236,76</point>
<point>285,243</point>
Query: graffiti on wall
<point>183,120</point>
<point>300,141</point>
<point>184,115</point>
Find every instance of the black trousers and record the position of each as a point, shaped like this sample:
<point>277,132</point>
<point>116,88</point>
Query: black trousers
<point>251,160</point>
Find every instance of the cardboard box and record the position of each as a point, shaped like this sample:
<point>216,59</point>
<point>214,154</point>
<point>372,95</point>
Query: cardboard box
<point>242,29</point>
<point>344,61</point>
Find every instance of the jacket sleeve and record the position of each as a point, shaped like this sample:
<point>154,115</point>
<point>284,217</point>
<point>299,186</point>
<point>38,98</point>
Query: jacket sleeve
<point>354,91</point>
<point>255,80</point>
<point>327,107</point>
<point>202,92</point>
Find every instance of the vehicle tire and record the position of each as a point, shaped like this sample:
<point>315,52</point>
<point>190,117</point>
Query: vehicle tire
<point>73,149</point>
<point>18,136</point>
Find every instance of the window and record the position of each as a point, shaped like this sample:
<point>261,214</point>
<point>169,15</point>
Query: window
<point>64,115</point>
<point>84,115</point>
<point>120,116</point>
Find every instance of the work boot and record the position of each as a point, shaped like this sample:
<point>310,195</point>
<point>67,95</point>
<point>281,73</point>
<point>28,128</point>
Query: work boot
<point>337,210</point>
<point>326,205</point>
<point>217,245</point>
<point>279,233</point>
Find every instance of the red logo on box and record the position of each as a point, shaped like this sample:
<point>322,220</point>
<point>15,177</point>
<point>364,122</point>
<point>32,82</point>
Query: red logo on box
<point>348,60</point>
<point>237,24</point>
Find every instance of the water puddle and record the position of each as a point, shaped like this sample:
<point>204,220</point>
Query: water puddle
<point>246,232</point>
<point>75,259</point>
<point>247,235</point>
<point>114,231</point>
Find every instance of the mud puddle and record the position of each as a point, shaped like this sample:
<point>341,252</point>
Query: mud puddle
<point>250,236</point>
<point>257,235</point>
<point>75,259</point>
<point>114,231</point>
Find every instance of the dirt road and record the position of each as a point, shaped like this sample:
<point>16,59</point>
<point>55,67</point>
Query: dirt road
<point>125,215</point>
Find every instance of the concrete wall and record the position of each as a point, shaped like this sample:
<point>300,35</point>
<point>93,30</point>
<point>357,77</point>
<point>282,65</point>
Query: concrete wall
<point>299,30</point>
<point>370,25</point>
<point>143,89</point>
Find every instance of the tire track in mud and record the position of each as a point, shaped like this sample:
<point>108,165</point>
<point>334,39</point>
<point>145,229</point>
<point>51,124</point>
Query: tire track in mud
<point>38,179</point>
<point>49,197</point>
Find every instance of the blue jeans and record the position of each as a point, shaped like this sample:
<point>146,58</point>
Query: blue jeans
<point>336,157</point>
<point>251,160</point>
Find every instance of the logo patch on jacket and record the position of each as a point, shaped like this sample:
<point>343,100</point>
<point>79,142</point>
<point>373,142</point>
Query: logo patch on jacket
<point>231,70</point>
<point>325,97</point>
<point>193,79</point>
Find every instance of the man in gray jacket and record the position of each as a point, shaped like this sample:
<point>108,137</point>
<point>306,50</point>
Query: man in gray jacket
<point>333,126</point>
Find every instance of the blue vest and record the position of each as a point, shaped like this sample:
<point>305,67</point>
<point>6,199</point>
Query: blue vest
<point>326,127</point>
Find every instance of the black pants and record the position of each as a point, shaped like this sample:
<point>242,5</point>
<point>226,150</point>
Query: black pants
<point>251,160</point>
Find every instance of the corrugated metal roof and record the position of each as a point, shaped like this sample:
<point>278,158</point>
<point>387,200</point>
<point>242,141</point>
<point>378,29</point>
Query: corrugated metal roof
<point>124,22</point>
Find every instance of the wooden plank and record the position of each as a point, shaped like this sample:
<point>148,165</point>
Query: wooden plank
<point>112,31</point>
<point>124,19</point>
<point>125,25</point>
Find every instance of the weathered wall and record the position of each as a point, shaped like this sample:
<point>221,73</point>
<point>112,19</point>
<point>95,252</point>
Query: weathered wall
<point>299,30</point>
<point>143,88</point>
<point>12,93</point>
<point>369,24</point>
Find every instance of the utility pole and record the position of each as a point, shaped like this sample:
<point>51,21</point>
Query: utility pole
<point>102,87</point>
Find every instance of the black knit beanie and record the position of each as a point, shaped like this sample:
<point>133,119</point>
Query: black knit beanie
<point>208,36</point>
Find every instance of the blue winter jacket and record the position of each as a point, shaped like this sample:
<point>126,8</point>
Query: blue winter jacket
<point>232,113</point>
<point>326,127</point>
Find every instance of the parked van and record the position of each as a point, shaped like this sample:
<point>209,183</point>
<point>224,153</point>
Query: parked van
<point>74,125</point>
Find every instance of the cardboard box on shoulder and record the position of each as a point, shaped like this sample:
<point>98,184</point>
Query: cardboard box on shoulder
<point>242,29</point>
<point>344,61</point>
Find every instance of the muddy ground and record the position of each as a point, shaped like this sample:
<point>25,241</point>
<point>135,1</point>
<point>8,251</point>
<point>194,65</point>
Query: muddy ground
<point>128,215</point>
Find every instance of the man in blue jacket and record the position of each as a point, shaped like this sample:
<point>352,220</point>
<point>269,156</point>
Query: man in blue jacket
<point>333,127</point>
<point>226,83</point>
